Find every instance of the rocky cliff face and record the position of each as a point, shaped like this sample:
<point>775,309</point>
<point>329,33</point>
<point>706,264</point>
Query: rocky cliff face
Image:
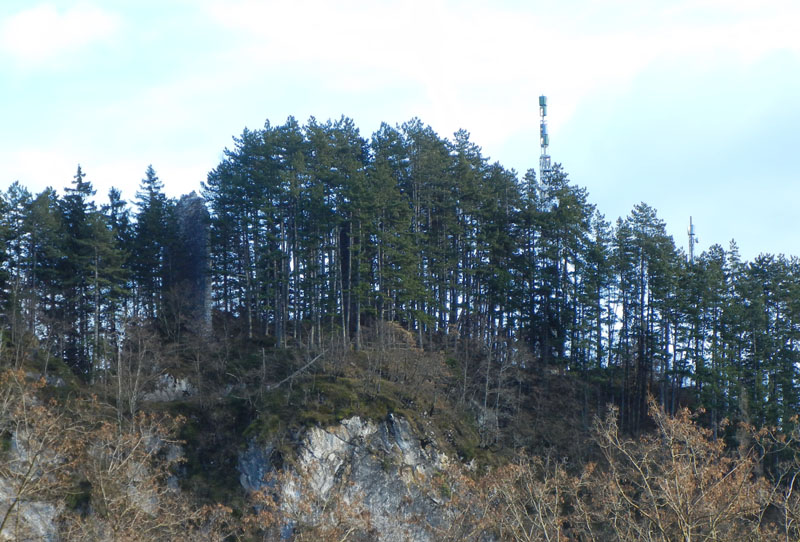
<point>29,518</point>
<point>383,473</point>
<point>383,469</point>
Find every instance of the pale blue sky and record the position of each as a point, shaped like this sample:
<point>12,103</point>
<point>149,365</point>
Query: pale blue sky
<point>692,106</point>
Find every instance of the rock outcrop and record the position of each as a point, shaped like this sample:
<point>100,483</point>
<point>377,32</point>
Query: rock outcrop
<point>30,519</point>
<point>383,469</point>
<point>26,516</point>
<point>170,388</point>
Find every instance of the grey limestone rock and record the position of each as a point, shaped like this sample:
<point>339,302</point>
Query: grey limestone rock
<point>381,467</point>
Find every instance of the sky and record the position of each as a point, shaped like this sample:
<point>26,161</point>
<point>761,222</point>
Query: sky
<point>691,106</point>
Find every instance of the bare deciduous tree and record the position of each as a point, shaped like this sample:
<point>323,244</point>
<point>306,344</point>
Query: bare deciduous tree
<point>40,449</point>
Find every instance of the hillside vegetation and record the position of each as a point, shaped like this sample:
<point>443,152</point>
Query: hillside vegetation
<point>320,276</point>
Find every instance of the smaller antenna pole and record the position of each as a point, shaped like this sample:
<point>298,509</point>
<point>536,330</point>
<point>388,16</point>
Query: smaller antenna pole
<point>692,241</point>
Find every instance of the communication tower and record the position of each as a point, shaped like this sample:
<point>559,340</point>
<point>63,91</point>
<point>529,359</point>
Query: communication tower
<point>544,140</point>
<point>692,240</point>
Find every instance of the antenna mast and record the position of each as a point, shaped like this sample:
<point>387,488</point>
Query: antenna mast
<point>692,241</point>
<point>544,140</point>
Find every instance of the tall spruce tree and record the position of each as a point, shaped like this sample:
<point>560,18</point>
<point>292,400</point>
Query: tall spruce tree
<point>149,245</point>
<point>15,297</point>
<point>77,210</point>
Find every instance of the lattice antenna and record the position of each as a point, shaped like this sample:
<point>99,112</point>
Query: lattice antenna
<point>692,240</point>
<point>544,140</point>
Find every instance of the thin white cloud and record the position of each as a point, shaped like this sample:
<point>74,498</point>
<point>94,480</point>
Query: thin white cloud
<point>38,168</point>
<point>441,43</point>
<point>45,34</point>
<point>495,54</point>
<point>455,64</point>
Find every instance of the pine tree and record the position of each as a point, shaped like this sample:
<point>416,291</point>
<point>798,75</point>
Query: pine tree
<point>108,278</point>
<point>149,244</point>
<point>397,262</point>
<point>118,296</point>
<point>15,298</point>
<point>645,259</point>
<point>76,273</point>
<point>46,250</point>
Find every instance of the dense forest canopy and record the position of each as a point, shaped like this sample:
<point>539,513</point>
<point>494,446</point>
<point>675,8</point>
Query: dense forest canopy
<point>313,235</point>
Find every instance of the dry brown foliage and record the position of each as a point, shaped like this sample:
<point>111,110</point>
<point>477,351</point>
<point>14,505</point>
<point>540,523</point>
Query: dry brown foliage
<point>309,512</point>
<point>130,470</point>
<point>465,504</point>
<point>41,446</point>
<point>677,483</point>
<point>106,480</point>
<point>530,499</point>
<point>674,484</point>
